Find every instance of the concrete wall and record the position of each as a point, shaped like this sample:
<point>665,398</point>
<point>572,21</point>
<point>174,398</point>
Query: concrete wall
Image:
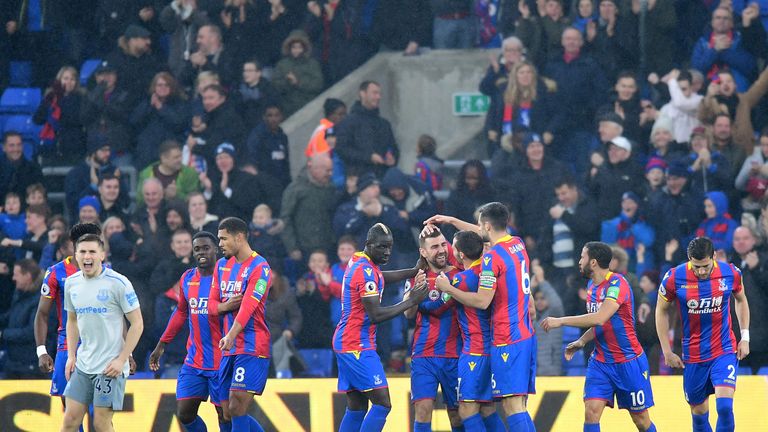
<point>416,98</point>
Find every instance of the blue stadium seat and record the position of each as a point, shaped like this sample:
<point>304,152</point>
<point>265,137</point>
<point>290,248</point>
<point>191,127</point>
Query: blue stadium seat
<point>20,74</point>
<point>87,69</point>
<point>763,370</point>
<point>319,362</point>
<point>580,371</point>
<point>570,334</point>
<point>23,100</point>
<point>744,370</point>
<point>142,375</point>
<point>24,125</point>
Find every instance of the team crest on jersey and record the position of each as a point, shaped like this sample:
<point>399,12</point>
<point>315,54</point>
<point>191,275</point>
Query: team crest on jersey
<point>45,290</point>
<point>370,287</point>
<point>723,286</point>
<point>377,379</point>
<point>245,273</point>
<point>504,356</point>
<point>368,271</point>
<point>472,366</point>
<point>103,295</point>
<point>434,295</point>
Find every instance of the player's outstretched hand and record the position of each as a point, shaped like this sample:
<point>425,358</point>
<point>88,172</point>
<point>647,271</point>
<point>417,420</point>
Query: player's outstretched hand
<point>154,358</point>
<point>45,363</point>
<point>70,367</point>
<point>225,344</point>
<point>419,292</point>
<point>743,350</point>
<point>550,323</point>
<point>420,278</point>
<point>572,347</point>
<point>114,368</point>
<point>437,219</point>
<point>673,360</point>
<point>442,283</point>
<point>428,229</point>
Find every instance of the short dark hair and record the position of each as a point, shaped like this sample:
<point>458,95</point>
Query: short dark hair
<point>81,229</point>
<point>108,176</point>
<point>426,145</point>
<point>181,231</point>
<point>331,105</point>
<point>40,209</point>
<point>11,133</point>
<point>601,252</point>
<point>218,88</point>
<point>495,213</point>
<point>685,76</point>
<point>167,146</point>
<point>348,239</point>
<point>376,231</point>
<point>701,248</point>
<point>254,61</point>
<point>29,266</point>
<point>434,234</point>
<point>90,238</point>
<point>626,74</point>
<point>234,225</point>
<point>565,181</point>
<point>36,187</point>
<point>62,241</point>
<point>206,235</point>
<point>367,83</point>
<point>318,251</point>
<point>272,105</point>
<point>469,243</point>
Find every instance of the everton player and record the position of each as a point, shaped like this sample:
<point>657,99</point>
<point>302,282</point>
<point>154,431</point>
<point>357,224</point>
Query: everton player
<point>476,407</point>
<point>618,366</point>
<point>505,286</point>
<point>361,375</point>
<point>436,339</point>
<point>245,344</point>
<point>198,376</point>
<point>703,288</point>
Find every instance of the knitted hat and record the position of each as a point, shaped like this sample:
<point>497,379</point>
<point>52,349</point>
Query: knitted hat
<point>89,200</point>
<point>656,163</point>
<point>226,148</point>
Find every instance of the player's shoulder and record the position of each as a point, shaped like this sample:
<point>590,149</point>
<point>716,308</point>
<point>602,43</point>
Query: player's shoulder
<point>618,279</point>
<point>222,263</point>
<point>117,279</point>
<point>729,267</point>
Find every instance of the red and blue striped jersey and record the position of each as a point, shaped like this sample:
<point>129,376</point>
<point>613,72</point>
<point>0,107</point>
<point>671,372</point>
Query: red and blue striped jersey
<point>704,309</point>
<point>505,270</point>
<point>616,341</point>
<point>355,331</point>
<point>475,323</point>
<point>53,288</point>
<point>204,330</point>
<point>252,278</point>
<point>437,327</point>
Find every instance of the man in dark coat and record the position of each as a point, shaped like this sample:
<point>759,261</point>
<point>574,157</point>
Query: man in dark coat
<point>618,174</point>
<point>220,123</point>
<point>230,191</point>
<point>16,172</point>
<point>134,62</point>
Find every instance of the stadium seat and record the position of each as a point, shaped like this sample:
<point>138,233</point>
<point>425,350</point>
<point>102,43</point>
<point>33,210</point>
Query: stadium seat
<point>763,370</point>
<point>20,100</point>
<point>319,362</point>
<point>142,375</point>
<point>87,69</point>
<point>570,334</point>
<point>20,74</point>
<point>24,125</point>
<point>744,370</point>
<point>577,371</point>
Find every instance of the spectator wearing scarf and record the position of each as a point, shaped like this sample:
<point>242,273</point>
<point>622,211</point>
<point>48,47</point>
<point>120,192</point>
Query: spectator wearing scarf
<point>719,225</point>
<point>630,232</point>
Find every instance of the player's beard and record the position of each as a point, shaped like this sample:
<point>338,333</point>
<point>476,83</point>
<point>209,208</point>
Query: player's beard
<point>435,262</point>
<point>586,273</point>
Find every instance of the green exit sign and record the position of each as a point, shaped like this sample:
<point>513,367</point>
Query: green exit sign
<point>470,104</point>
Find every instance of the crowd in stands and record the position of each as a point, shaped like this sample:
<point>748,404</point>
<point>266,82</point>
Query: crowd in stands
<point>638,123</point>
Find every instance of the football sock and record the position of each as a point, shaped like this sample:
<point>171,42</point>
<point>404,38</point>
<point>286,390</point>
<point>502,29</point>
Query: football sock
<point>254,424</point>
<point>701,423</point>
<point>529,421</point>
<point>197,425</point>
<point>352,421</point>
<point>725,421</point>
<point>457,428</point>
<point>591,427</point>
<point>651,428</point>
<point>494,423</point>
<point>374,421</point>
<point>474,423</point>
<point>225,427</point>
<point>518,422</point>
<point>422,427</point>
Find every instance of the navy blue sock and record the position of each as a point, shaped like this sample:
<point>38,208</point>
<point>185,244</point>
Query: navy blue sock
<point>225,427</point>
<point>474,423</point>
<point>529,421</point>
<point>457,428</point>
<point>518,422</point>
<point>725,421</point>
<point>701,423</point>
<point>652,428</point>
<point>375,419</point>
<point>241,424</point>
<point>254,425</point>
<point>591,427</point>
<point>352,421</point>
<point>494,423</point>
<point>197,425</point>
<point>422,427</point>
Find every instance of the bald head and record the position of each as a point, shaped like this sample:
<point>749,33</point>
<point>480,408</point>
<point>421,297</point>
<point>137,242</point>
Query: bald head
<point>152,191</point>
<point>743,240</point>
<point>320,168</point>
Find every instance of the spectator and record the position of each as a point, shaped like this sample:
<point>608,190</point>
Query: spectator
<point>178,180</point>
<point>283,17</point>
<point>612,39</point>
<point>753,261</point>
<point>36,195</point>
<point>16,171</point>
<point>549,345</point>
<point>660,26</point>
<point>619,174</point>
<point>665,147</point>
<point>109,198</point>
<point>321,274</point>
<point>211,55</point>
<point>630,232</point>
<point>654,175</point>
<point>176,216</point>
<point>230,191</point>
<point>134,62</point>
<point>181,20</point>
<point>429,167</point>
<point>267,147</point>
<point>323,138</point>
<point>105,113</point>
<point>453,25</point>
<point>753,176</point>
<point>163,116</point>
<point>284,320</point>
<point>626,104</point>
<point>722,140</point>
<point>59,113</point>
<point>410,197</point>
<point>17,323</point>
<point>646,317</point>
<point>264,234</point>
<point>708,167</point>
<point>149,219</point>
<point>723,48</point>
<point>473,189</point>
<point>719,225</point>
<point>682,109</point>
<point>344,252</point>
<point>199,218</point>
<point>329,25</point>
<point>497,75</point>
<point>219,124</point>
<point>111,225</point>
<point>610,125</point>
<point>307,209</point>
<point>581,86</point>
<point>242,23</point>
<point>364,139</point>
<point>297,76</point>
<point>254,93</point>
<point>165,276</point>
<point>540,31</point>
<point>582,14</point>
<point>36,237</point>
<point>13,223</point>
<point>33,30</point>
<point>88,209</point>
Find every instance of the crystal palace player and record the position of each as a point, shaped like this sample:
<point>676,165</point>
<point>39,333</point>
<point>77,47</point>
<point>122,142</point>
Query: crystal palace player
<point>436,339</point>
<point>476,407</point>
<point>505,285</point>
<point>244,367</point>
<point>361,375</point>
<point>703,288</point>
<point>198,378</point>
<point>618,366</point>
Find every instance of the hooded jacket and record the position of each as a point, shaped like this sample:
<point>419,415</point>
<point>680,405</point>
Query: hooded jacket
<point>418,201</point>
<point>309,75</point>
<point>307,211</point>
<point>721,227</point>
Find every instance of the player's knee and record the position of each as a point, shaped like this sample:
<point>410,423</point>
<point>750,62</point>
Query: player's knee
<point>423,410</point>
<point>454,418</point>
<point>102,423</point>
<point>592,413</point>
<point>185,416</point>
<point>641,420</point>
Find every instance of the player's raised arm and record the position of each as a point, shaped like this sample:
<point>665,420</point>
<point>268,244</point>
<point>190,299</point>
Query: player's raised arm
<point>379,313</point>
<point>479,300</point>
<point>606,311</point>
<point>458,223</point>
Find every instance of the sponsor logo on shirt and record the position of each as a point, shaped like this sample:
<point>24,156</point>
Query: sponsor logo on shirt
<point>705,305</point>
<point>198,306</point>
<point>90,310</point>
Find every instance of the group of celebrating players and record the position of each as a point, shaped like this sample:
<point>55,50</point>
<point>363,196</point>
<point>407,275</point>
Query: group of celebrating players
<point>474,335</point>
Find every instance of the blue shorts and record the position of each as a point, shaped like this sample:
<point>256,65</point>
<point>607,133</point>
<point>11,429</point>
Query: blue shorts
<point>242,372</point>
<point>629,382</point>
<point>475,378</point>
<point>700,379</point>
<point>360,371</point>
<point>513,369</point>
<point>197,384</point>
<point>59,379</point>
<point>428,372</point>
